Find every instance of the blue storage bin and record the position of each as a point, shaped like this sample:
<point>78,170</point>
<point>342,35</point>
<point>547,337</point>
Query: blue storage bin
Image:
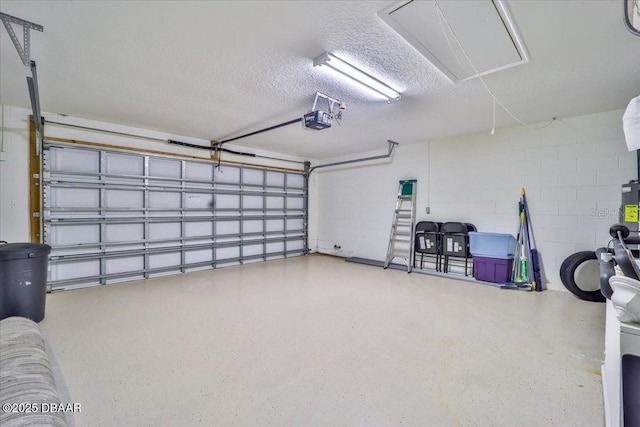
<point>492,245</point>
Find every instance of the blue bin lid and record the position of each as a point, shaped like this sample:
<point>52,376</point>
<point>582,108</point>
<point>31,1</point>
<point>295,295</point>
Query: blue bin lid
<point>484,233</point>
<point>23,250</point>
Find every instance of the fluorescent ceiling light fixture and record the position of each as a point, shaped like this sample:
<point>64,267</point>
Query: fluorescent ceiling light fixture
<point>329,60</point>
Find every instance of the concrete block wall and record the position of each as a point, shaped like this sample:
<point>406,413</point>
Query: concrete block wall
<point>572,170</point>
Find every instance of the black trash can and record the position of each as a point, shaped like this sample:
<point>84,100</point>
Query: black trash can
<point>23,280</point>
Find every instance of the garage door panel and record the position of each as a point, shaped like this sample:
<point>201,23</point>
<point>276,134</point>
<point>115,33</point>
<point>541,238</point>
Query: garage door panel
<point>113,216</point>
<point>121,265</point>
<point>275,247</point>
<point>199,201</point>
<point>252,250</point>
<point>193,257</point>
<point>295,224</point>
<point>252,226</point>
<point>295,203</point>
<point>124,169</point>
<point>164,260</point>
<point>227,253</point>
<point>63,235</point>
<point>227,175</point>
<point>275,202</point>
<point>73,198</point>
<point>193,229</point>
<point>227,227</point>
<point>227,201</point>
<point>252,202</point>
<point>253,177</point>
<point>164,168</point>
<point>74,160</point>
<point>275,179</point>
<point>296,245</point>
<point>295,181</point>
<point>164,200</point>
<point>275,225</point>
<point>124,199</point>
<point>199,173</point>
<point>124,232</point>
<point>74,270</point>
<point>165,230</point>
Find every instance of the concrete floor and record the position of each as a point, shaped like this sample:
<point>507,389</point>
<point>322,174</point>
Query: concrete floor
<point>316,341</point>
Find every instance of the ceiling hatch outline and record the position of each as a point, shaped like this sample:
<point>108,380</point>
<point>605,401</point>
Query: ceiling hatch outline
<point>489,38</point>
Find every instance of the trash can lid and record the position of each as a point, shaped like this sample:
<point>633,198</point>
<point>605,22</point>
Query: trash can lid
<point>23,250</point>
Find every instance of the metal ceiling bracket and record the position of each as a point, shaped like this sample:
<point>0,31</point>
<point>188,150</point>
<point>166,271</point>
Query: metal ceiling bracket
<point>32,82</point>
<point>332,102</point>
<point>24,50</point>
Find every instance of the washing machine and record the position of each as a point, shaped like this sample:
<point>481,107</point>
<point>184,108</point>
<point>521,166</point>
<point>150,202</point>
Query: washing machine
<point>630,363</point>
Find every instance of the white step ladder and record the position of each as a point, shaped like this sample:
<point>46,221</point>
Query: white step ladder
<point>401,240</point>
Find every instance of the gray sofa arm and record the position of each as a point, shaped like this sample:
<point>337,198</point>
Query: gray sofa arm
<point>27,386</point>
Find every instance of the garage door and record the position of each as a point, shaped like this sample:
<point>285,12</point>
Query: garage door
<point>113,216</point>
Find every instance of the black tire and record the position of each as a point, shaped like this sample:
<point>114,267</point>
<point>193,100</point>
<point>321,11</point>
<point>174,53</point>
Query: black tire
<point>567,275</point>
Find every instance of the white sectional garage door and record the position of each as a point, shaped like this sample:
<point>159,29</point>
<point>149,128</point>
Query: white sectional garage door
<point>113,215</point>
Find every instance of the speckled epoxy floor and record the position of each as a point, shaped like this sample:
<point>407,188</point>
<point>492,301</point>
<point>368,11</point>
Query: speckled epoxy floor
<point>316,341</point>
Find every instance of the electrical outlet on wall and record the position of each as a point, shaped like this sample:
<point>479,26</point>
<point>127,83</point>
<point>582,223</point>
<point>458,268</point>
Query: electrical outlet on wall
<point>428,210</point>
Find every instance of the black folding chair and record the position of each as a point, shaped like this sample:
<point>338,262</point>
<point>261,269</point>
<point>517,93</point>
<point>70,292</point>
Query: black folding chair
<point>455,245</point>
<point>427,243</point>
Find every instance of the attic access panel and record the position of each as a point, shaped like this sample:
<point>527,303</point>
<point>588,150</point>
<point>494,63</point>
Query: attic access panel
<point>484,28</point>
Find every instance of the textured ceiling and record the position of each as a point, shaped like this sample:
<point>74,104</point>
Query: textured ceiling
<point>218,69</point>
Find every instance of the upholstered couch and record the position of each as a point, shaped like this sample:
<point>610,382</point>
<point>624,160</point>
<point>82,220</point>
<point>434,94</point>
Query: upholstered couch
<point>28,393</point>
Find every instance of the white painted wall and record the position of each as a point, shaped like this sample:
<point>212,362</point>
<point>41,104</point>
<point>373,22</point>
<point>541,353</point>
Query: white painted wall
<point>355,203</point>
<point>572,170</point>
<point>14,175</point>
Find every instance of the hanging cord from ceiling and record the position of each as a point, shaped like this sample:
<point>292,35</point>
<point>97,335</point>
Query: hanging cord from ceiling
<point>475,70</point>
<point>446,36</point>
<point>632,6</point>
